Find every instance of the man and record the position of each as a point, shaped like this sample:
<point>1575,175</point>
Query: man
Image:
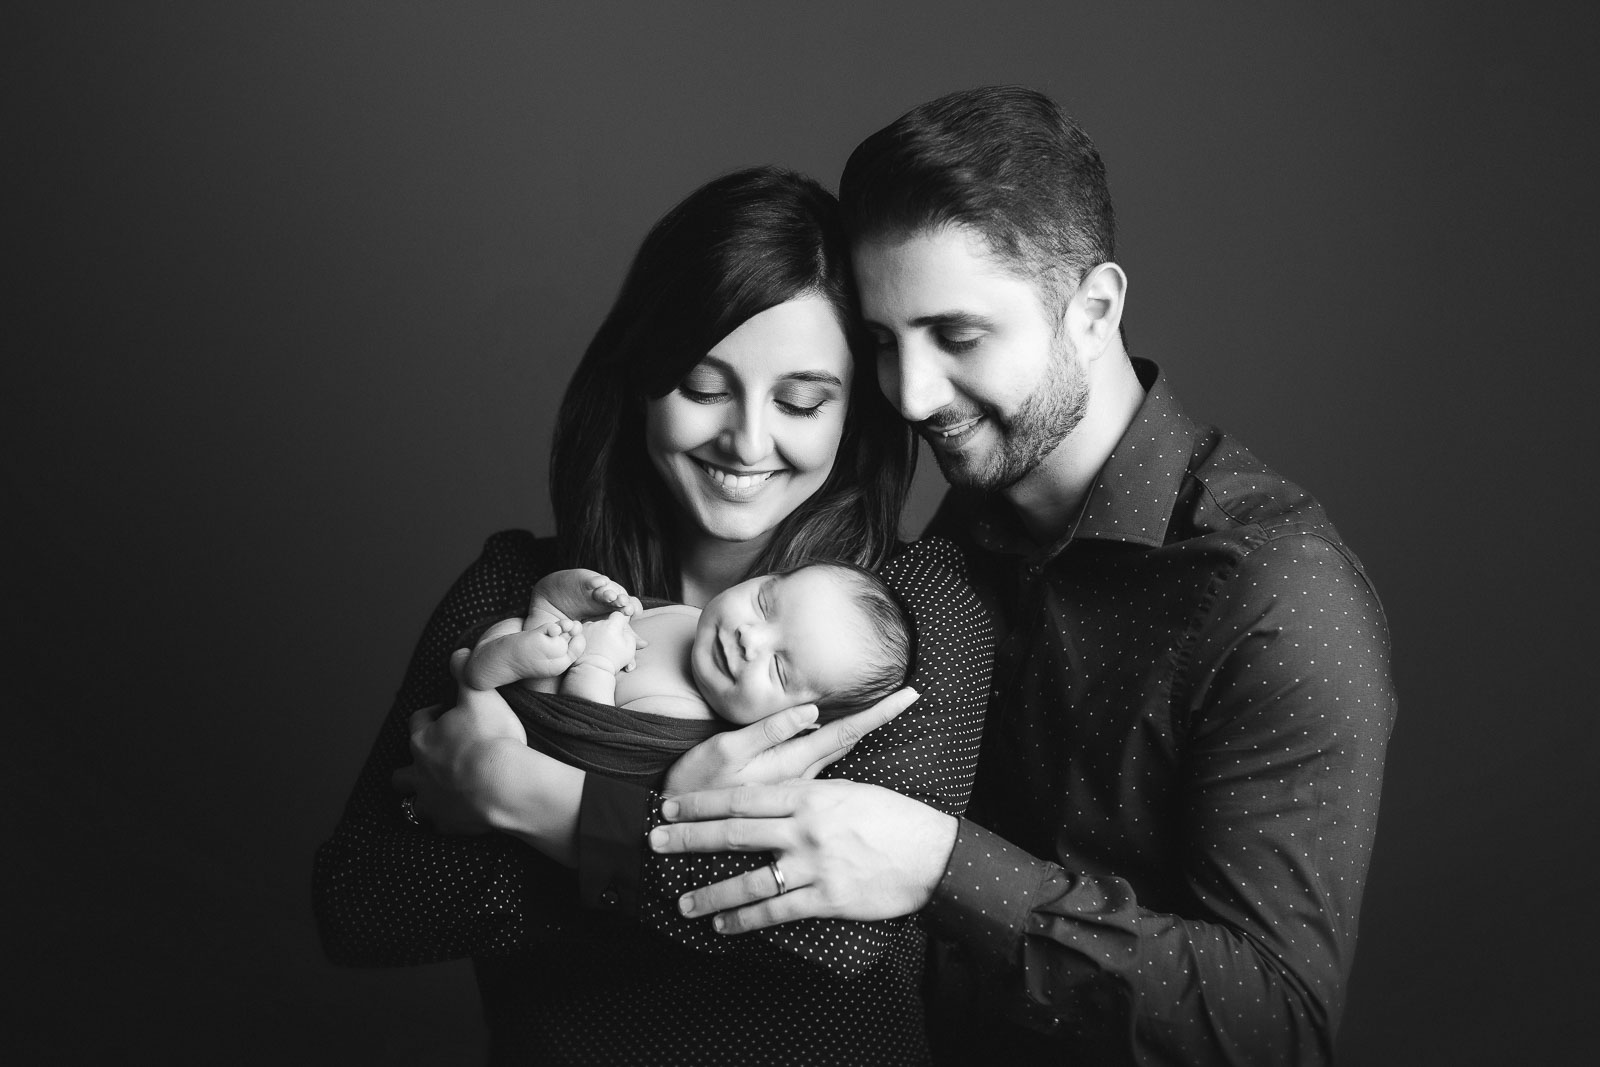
<point>1166,849</point>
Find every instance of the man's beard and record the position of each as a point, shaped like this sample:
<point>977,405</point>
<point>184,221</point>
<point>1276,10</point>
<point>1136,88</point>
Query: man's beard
<point>1027,436</point>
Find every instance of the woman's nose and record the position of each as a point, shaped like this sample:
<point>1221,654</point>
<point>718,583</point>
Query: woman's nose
<point>746,436</point>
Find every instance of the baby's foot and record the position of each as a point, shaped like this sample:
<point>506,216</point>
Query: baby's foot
<point>544,651</point>
<point>610,596</point>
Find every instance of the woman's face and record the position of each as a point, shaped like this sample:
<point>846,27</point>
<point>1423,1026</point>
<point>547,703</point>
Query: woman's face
<point>753,429</point>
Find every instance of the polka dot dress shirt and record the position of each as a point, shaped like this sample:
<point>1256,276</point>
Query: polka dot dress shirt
<point>565,983</point>
<point>1179,783</point>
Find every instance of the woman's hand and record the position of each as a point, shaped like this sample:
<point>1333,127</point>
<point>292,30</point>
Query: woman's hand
<point>769,751</point>
<point>454,769</point>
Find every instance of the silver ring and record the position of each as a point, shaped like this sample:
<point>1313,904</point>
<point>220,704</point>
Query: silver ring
<point>408,808</point>
<point>777,876</point>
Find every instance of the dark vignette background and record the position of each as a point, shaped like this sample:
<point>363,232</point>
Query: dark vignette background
<point>294,290</point>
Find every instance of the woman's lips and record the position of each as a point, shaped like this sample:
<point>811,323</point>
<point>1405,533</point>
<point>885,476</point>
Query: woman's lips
<point>732,484</point>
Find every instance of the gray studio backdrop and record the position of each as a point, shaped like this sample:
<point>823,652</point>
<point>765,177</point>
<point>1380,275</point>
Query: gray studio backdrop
<point>297,288</point>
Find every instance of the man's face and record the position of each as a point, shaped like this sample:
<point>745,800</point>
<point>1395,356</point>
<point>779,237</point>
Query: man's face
<point>970,354</point>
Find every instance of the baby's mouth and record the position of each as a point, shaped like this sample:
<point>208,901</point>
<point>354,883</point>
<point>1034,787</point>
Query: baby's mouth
<point>719,656</point>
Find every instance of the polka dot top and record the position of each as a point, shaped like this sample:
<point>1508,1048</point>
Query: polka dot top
<point>564,984</point>
<point>1179,786</point>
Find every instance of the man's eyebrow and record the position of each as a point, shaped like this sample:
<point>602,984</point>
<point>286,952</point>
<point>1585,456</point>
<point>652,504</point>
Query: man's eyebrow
<point>956,319</point>
<point>953,318</point>
<point>821,377</point>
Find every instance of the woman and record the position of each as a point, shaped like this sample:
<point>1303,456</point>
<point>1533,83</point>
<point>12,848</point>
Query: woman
<point>719,425</point>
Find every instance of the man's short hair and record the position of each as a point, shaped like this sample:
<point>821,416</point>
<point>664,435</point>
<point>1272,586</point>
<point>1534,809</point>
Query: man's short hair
<point>1001,159</point>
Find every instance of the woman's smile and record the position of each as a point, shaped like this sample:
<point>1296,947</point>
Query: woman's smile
<point>752,430</point>
<point>732,484</point>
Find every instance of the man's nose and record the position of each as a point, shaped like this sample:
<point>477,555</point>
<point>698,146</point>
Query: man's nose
<point>913,380</point>
<point>746,436</point>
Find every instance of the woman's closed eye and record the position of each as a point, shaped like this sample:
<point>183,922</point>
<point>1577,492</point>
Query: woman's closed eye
<point>805,403</point>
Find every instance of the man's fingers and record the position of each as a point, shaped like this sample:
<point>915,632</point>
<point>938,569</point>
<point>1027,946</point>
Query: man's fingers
<point>753,801</point>
<point>803,903</point>
<point>746,888</point>
<point>722,835</point>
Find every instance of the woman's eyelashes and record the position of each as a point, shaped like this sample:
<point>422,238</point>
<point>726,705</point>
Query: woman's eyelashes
<point>802,405</point>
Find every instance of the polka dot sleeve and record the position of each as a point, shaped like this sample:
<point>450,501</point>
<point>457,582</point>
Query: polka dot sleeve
<point>928,752</point>
<point>385,892</point>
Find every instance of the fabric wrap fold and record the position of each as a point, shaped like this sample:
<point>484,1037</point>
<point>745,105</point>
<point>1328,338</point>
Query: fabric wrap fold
<point>629,746</point>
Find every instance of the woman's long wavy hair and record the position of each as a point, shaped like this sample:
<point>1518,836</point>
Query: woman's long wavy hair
<point>739,245</point>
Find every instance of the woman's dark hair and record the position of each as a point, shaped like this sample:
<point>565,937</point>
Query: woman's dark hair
<point>888,632</point>
<point>741,244</point>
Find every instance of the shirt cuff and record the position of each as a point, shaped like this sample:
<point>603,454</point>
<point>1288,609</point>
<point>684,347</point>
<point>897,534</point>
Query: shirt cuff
<point>612,820</point>
<point>984,900</point>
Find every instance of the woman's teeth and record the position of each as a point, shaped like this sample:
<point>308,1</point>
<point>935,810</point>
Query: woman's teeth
<point>729,480</point>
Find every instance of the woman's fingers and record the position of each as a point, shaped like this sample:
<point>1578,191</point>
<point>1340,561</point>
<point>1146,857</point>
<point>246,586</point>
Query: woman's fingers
<point>458,660</point>
<point>423,718</point>
<point>404,780</point>
<point>828,743</point>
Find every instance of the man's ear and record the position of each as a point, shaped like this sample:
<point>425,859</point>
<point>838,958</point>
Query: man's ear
<point>1094,313</point>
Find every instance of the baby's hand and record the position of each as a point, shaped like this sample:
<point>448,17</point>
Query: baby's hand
<point>506,653</point>
<point>609,596</point>
<point>610,643</point>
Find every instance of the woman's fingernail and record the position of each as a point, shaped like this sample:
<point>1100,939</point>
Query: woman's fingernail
<point>686,904</point>
<point>658,839</point>
<point>719,924</point>
<point>669,809</point>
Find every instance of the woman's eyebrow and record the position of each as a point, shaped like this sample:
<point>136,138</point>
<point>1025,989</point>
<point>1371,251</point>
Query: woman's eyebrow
<point>821,377</point>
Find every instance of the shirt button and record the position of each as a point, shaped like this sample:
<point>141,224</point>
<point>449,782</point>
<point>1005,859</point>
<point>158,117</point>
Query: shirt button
<point>608,898</point>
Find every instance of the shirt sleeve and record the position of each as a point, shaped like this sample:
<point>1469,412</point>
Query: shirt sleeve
<point>385,892</point>
<point>1286,710</point>
<point>928,752</point>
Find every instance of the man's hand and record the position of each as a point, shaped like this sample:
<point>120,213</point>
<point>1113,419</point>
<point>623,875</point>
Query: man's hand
<point>770,751</point>
<point>847,850</point>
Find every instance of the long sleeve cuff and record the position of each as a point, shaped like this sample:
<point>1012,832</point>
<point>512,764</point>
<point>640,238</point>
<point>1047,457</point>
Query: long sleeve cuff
<point>984,900</point>
<point>612,821</point>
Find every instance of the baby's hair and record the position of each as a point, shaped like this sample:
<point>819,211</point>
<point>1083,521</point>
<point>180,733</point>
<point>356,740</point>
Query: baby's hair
<point>888,627</point>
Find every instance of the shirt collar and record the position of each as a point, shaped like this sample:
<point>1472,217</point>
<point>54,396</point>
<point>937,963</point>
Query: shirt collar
<point>1134,495</point>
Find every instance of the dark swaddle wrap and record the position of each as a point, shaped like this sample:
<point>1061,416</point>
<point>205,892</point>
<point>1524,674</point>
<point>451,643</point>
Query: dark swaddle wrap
<point>629,746</point>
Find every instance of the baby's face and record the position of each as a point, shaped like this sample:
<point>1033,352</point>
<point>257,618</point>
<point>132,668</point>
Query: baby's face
<point>771,643</point>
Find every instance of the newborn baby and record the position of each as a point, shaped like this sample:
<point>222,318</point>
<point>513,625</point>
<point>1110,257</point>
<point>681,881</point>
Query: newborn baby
<point>828,634</point>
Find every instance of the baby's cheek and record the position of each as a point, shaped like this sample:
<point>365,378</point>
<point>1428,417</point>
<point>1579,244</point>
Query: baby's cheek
<point>745,710</point>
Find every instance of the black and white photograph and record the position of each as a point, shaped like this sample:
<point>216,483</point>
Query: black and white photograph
<point>714,533</point>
